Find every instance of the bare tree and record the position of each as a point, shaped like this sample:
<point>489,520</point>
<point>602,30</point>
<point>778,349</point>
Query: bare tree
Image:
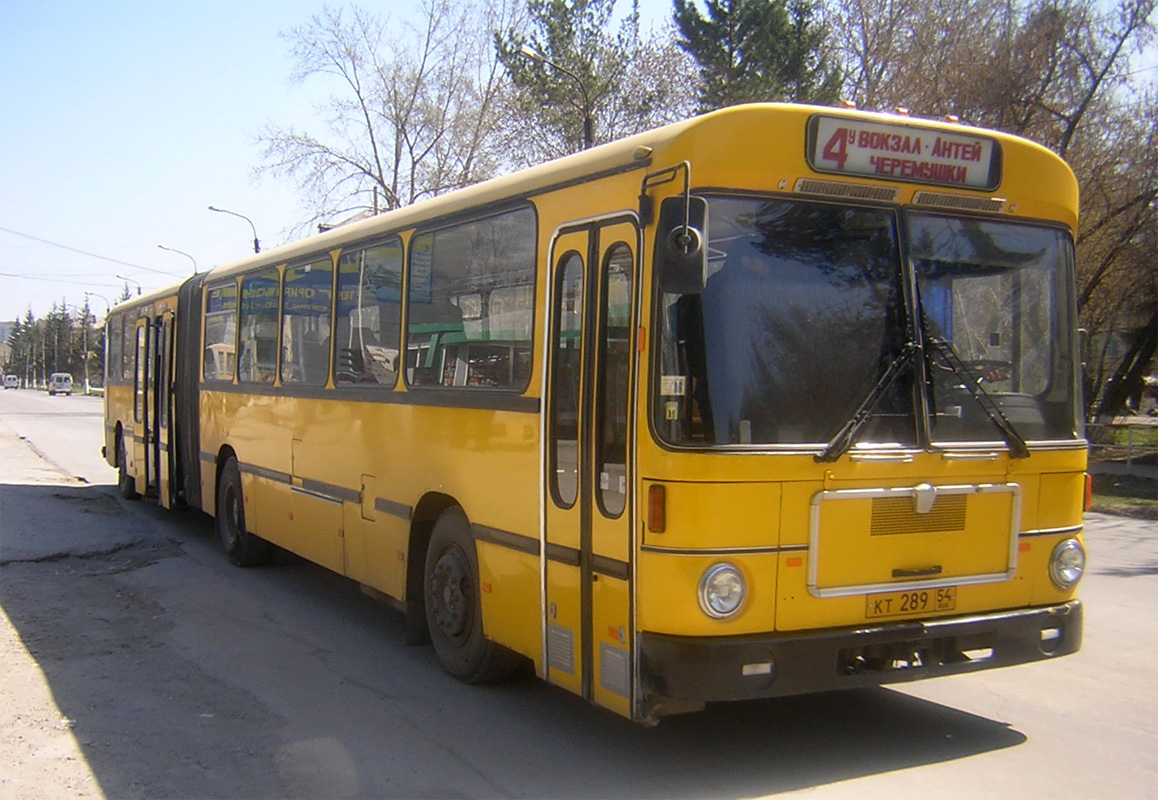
<point>411,111</point>
<point>1056,71</point>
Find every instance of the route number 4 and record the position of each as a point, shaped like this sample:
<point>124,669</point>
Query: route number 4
<point>837,147</point>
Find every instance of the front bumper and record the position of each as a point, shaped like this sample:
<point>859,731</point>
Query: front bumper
<point>698,670</point>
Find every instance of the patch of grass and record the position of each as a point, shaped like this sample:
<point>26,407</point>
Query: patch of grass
<point>1140,436</point>
<point>1126,495</point>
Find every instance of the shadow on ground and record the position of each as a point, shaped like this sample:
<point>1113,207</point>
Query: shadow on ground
<point>165,702</point>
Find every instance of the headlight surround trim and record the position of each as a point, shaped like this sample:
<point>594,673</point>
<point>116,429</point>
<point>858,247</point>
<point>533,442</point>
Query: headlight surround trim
<point>1067,564</point>
<point>722,590</point>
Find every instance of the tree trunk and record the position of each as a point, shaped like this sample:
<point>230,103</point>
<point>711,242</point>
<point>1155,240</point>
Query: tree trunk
<point>1127,379</point>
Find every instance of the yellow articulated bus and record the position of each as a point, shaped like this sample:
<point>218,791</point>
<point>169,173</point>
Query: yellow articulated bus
<point>776,400</point>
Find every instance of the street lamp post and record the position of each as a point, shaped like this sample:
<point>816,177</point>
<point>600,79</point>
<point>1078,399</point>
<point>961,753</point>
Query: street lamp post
<point>130,280</point>
<point>588,124</point>
<point>181,252</point>
<point>256,244</point>
<point>108,305</point>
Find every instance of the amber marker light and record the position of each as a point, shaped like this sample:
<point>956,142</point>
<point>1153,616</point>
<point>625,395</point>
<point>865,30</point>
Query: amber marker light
<point>656,508</point>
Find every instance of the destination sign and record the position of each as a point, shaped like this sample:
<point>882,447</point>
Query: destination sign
<point>903,153</point>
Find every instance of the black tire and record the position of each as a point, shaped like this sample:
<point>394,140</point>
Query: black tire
<point>125,483</point>
<point>453,612</point>
<point>243,548</point>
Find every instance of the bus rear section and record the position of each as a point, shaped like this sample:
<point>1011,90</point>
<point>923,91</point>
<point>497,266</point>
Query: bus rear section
<point>144,398</point>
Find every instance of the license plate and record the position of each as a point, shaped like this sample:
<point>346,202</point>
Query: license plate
<point>910,603</point>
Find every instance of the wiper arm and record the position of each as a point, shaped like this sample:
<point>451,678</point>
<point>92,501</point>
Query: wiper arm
<point>1017,446</point>
<point>839,444</point>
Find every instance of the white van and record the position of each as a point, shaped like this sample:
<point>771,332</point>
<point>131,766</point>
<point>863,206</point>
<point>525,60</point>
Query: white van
<point>11,381</point>
<point>60,383</point>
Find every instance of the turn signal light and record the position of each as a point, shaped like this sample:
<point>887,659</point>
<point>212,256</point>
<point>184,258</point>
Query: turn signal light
<point>1089,491</point>
<point>656,508</point>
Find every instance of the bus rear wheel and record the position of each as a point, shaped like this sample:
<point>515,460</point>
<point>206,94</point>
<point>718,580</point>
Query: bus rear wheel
<point>453,611</point>
<point>243,548</point>
<point>125,483</point>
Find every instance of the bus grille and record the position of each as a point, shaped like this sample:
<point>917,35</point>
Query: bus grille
<point>895,515</point>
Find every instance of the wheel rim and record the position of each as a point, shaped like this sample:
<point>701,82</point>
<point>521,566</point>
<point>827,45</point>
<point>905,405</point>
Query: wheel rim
<point>451,595</point>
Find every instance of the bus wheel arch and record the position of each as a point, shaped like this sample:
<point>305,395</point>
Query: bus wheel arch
<point>422,520</point>
<point>453,604</point>
<point>223,455</point>
<point>243,548</point>
<point>126,485</point>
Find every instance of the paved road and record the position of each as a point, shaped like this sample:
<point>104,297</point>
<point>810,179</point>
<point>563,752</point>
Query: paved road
<point>137,663</point>
<point>66,429</point>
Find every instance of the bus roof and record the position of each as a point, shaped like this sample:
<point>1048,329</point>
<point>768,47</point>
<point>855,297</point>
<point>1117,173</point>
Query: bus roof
<point>661,147</point>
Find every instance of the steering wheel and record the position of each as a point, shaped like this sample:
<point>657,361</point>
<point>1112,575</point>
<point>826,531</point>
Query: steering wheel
<point>990,370</point>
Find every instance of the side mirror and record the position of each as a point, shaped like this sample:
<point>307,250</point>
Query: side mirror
<point>680,246</point>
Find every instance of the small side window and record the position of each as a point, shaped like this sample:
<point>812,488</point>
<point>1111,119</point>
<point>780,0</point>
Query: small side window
<point>141,373</point>
<point>566,378</point>
<point>614,381</point>
<point>116,346</point>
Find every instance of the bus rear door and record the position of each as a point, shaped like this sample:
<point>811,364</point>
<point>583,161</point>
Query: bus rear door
<point>162,402</point>
<point>143,457</point>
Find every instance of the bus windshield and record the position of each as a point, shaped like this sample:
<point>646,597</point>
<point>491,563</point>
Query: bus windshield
<point>992,299</point>
<point>803,311</point>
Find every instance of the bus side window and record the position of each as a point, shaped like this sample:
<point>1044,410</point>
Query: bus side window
<point>305,329</point>
<point>367,322</point>
<point>471,304</point>
<point>220,332</point>
<point>257,348</point>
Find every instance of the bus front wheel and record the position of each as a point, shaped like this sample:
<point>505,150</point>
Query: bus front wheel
<point>453,611</point>
<point>243,548</point>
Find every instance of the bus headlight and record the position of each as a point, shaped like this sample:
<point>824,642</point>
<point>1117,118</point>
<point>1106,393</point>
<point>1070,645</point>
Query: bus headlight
<point>721,591</point>
<point>1067,562</point>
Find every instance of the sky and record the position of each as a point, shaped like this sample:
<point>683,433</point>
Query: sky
<point>124,120</point>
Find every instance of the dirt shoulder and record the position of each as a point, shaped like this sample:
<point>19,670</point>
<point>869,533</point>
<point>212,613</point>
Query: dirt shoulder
<point>39,755</point>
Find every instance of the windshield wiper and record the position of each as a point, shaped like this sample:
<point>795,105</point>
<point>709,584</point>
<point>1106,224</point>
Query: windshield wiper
<point>1017,446</point>
<point>839,444</point>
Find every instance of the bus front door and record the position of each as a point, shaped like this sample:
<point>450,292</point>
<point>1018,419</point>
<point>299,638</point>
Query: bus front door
<point>587,560</point>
